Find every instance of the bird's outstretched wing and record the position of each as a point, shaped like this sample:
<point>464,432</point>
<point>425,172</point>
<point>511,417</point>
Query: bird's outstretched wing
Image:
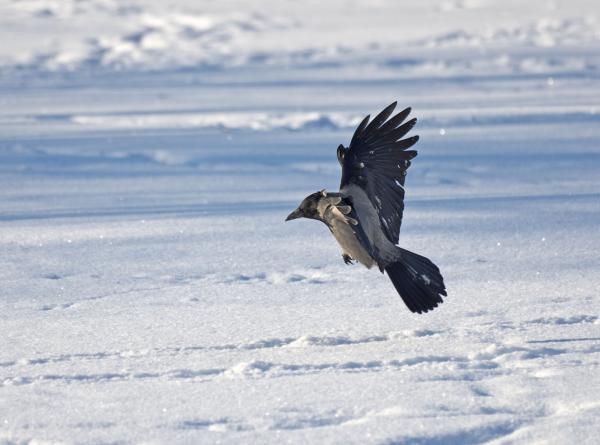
<point>377,160</point>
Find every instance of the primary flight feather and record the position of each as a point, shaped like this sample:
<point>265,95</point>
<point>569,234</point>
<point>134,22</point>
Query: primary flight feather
<point>366,214</point>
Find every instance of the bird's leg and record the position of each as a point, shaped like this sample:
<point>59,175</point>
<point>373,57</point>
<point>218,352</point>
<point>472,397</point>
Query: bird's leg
<point>347,258</point>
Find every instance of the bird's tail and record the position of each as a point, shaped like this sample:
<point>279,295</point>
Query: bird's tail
<point>417,280</point>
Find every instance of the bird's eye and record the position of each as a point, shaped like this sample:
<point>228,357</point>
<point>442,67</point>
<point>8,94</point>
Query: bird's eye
<point>341,153</point>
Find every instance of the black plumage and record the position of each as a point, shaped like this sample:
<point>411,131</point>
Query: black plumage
<point>377,160</point>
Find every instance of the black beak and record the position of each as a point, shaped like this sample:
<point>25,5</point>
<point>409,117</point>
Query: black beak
<point>294,215</point>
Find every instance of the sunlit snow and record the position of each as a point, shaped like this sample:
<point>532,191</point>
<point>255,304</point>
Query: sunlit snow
<point>152,292</point>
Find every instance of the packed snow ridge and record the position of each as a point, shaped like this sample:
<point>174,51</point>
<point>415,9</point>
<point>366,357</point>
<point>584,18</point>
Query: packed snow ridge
<point>151,39</point>
<point>545,32</point>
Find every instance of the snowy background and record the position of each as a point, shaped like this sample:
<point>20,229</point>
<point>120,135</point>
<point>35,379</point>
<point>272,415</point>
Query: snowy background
<point>151,292</point>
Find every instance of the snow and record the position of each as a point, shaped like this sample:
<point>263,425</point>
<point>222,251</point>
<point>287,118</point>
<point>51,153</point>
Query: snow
<point>152,292</point>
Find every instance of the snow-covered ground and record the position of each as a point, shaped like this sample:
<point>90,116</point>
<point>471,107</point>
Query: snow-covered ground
<point>151,292</point>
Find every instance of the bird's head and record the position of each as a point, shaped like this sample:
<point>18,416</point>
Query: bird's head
<point>308,207</point>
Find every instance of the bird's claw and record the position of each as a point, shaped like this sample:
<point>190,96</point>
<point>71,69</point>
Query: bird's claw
<point>347,258</point>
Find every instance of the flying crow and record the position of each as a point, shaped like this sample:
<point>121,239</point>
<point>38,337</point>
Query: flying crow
<point>365,215</point>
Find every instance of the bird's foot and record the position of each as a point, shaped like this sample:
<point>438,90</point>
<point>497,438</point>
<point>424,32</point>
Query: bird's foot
<point>347,258</point>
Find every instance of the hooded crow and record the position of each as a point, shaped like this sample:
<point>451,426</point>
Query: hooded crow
<point>365,215</point>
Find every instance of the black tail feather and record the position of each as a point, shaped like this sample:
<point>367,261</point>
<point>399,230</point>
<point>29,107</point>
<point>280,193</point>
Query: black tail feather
<point>418,281</point>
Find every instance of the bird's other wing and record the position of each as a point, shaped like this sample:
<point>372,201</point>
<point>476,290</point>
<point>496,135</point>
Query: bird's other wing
<point>377,160</point>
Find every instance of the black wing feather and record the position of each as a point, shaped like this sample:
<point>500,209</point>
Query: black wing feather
<point>379,119</point>
<point>359,130</point>
<point>377,160</point>
<point>395,121</point>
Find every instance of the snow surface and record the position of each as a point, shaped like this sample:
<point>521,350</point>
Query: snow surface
<point>152,293</point>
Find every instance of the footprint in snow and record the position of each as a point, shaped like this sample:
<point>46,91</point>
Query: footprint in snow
<point>220,425</point>
<point>52,276</point>
<point>52,307</point>
<point>575,319</point>
<point>311,277</point>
